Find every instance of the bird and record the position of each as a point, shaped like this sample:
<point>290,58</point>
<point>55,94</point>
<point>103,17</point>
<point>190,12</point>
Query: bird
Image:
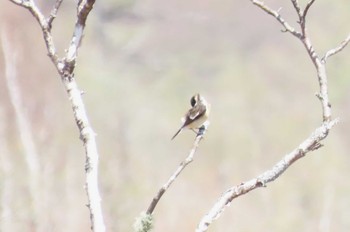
<point>197,116</point>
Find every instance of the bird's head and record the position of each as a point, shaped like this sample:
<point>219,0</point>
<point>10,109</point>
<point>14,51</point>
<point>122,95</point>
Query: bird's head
<point>195,99</point>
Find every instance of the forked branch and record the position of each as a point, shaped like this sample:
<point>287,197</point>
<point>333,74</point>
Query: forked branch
<point>307,7</point>
<point>312,143</point>
<point>53,13</point>
<point>336,50</point>
<point>276,14</point>
<point>65,67</point>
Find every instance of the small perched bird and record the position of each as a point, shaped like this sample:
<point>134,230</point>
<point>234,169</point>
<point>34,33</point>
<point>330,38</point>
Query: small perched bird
<point>197,116</point>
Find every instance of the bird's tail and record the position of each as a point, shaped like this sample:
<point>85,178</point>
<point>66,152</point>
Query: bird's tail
<point>178,132</point>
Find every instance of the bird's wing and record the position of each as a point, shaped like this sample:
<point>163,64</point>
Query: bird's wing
<point>194,113</point>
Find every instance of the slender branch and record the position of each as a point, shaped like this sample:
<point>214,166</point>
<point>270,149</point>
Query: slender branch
<point>319,65</point>
<point>53,13</point>
<point>173,177</point>
<point>297,7</point>
<point>34,10</point>
<point>83,9</point>
<point>337,49</point>
<point>22,3</point>
<point>303,37</point>
<point>307,7</point>
<point>65,68</point>
<point>275,14</point>
<point>310,144</point>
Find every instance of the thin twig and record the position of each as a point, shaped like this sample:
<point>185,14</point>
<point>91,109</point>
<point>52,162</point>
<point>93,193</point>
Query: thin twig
<point>53,13</point>
<point>297,7</point>
<point>319,65</point>
<point>22,3</point>
<point>310,144</point>
<point>34,10</point>
<point>279,18</point>
<point>83,9</point>
<point>173,177</point>
<point>304,38</point>
<point>337,49</point>
<point>307,7</point>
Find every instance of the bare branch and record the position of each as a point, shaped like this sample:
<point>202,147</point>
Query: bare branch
<point>173,177</point>
<point>297,7</point>
<point>53,13</point>
<point>310,144</point>
<point>337,49</point>
<point>83,9</point>
<point>319,65</point>
<point>303,37</point>
<point>22,3</point>
<point>88,137</point>
<point>66,71</point>
<point>306,10</point>
<point>276,15</point>
<point>34,10</point>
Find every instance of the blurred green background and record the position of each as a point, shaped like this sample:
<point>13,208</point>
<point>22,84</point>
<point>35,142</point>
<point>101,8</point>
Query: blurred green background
<point>139,64</point>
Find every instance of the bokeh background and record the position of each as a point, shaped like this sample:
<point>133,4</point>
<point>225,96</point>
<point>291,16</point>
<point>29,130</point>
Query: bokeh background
<point>139,64</point>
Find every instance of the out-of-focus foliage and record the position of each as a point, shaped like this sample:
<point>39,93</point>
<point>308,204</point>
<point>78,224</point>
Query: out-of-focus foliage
<point>139,64</point>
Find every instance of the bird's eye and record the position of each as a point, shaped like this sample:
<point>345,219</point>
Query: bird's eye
<point>193,101</point>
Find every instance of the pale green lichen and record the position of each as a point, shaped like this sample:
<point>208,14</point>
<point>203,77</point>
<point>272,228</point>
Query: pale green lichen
<point>143,223</point>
